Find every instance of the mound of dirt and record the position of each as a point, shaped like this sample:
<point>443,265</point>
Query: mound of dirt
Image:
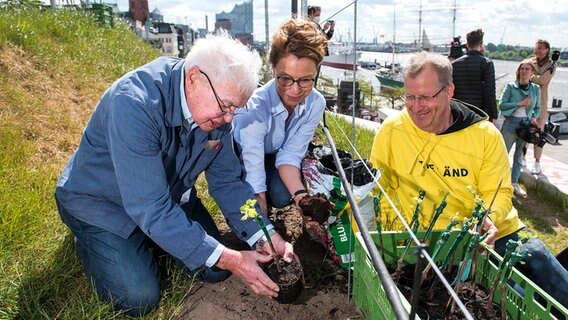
<point>316,206</point>
<point>325,295</point>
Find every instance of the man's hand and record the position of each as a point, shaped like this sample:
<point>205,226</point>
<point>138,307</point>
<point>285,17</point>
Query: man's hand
<point>245,265</point>
<point>490,228</point>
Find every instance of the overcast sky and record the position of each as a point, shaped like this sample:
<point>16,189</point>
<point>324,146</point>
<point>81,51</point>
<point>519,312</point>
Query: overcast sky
<point>517,22</point>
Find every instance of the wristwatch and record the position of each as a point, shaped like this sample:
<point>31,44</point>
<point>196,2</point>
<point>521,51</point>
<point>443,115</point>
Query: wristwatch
<point>260,242</point>
<point>301,191</point>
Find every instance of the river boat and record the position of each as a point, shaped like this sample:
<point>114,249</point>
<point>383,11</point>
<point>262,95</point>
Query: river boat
<point>341,56</point>
<point>390,76</point>
<point>369,65</point>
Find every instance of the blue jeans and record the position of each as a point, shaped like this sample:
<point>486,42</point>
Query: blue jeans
<point>124,272</point>
<point>277,194</point>
<point>510,136</point>
<point>541,267</point>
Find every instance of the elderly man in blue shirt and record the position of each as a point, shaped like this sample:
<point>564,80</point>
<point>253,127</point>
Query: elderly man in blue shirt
<point>129,189</point>
<point>281,116</point>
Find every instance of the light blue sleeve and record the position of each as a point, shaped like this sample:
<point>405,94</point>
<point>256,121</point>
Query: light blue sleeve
<point>302,132</point>
<point>507,105</point>
<point>250,130</point>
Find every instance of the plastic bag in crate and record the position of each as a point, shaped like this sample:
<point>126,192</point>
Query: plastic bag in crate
<point>320,173</point>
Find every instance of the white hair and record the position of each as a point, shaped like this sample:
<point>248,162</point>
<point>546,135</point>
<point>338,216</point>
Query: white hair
<point>227,61</point>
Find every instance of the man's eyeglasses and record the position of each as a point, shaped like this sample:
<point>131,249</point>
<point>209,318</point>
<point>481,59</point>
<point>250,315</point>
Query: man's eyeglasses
<point>223,113</point>
<point>423,99</point>
<point>304,83</point>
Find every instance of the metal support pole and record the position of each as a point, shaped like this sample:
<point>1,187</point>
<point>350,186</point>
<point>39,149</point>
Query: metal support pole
<point>389,286</point>
<point>266,35</point>
<point>304,9</point>
<point>294,8</point>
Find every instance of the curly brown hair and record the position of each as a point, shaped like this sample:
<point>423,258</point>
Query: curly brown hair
<point>299,37</point>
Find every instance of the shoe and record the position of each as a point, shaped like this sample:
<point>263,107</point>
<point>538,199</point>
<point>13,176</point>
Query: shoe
<point>518,191</point>
<point>524,164</point>
<point>536,168</point>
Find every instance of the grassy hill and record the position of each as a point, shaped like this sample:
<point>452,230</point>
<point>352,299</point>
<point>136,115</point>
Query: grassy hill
<point>53,68</point>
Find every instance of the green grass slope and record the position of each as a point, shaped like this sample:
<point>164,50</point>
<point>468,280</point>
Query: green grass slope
<point>54,65</point>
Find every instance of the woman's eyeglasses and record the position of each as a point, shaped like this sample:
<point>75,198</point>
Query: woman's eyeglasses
<point>304,83</point>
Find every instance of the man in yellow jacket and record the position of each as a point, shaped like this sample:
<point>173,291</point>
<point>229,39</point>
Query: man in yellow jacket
<point>440,146</point>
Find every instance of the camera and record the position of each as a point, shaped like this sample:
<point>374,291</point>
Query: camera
<point>555,55</point>
<point>456,48</point>
<point>333,21</point>
<point>533,134</point>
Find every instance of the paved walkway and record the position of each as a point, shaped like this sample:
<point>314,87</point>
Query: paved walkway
<point>554,175</point>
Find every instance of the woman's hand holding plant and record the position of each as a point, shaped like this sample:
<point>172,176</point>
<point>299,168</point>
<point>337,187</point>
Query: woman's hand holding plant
<point>282,248</point>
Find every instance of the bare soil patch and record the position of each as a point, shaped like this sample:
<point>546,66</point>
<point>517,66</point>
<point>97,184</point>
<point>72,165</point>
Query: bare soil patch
<point>434,298</point>
<point>325,295</point>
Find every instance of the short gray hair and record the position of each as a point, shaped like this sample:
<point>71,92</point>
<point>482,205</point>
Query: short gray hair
<point>227,60</point>
<point>416,63</point>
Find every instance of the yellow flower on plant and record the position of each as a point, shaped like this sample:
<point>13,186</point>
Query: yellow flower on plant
<point>248,209</point>
<point>455,218</point>
<point>474,220</point>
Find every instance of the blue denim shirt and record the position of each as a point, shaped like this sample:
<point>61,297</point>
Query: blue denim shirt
<point>266,129</point>
<point>138,155</point>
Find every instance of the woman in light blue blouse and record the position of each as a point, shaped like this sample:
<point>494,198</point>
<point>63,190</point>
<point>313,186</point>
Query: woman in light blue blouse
<point>274,131</point>
<point>519,102</point>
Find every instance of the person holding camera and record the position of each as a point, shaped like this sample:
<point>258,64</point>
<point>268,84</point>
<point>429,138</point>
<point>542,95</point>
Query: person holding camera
<point>544,69</point>
<point>474,78</point>
<point>456,49</point>
<point>519,103</point>
<point>314,15</point>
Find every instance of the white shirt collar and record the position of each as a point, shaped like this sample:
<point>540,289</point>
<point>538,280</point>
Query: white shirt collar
<point>184,106</point>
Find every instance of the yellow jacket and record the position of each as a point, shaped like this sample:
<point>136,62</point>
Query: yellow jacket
<point>470,153</point>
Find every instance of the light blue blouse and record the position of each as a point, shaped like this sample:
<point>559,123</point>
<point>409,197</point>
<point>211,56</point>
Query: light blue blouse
<point>263,128</point>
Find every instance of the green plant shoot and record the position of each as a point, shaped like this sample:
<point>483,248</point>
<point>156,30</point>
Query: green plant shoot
<point>249,212</point>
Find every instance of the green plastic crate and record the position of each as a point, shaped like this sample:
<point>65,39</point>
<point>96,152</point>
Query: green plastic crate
<point>370,298</point>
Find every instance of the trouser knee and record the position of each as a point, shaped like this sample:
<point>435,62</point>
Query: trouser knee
<point>135,303</point>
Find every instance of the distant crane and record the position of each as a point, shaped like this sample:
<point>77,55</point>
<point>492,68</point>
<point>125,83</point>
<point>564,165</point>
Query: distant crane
<point>503,35</point>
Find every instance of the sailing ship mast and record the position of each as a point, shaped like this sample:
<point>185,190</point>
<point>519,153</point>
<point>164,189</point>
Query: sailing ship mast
<point>419,43</point>
<point>392,71</point>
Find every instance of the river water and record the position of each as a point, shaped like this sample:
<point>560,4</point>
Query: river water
<point>504,70</point>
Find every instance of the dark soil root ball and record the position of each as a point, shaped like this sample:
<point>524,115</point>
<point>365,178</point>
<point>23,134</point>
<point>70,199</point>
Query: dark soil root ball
<point>317,207</point>
<point>289,280</point>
